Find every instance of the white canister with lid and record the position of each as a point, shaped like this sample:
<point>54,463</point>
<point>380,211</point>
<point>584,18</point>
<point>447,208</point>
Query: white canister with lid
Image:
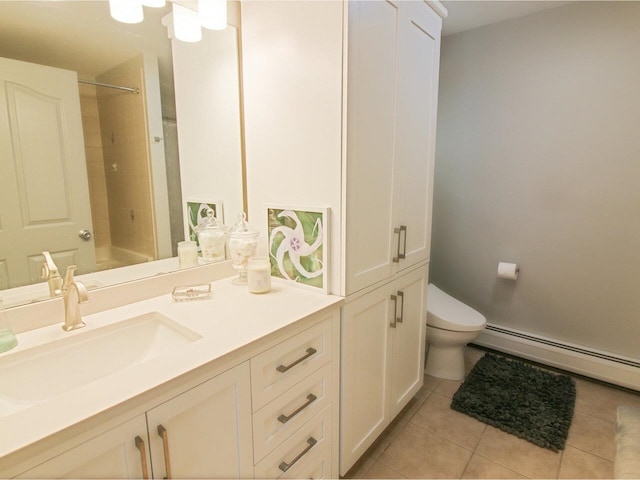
<point>259,274</point>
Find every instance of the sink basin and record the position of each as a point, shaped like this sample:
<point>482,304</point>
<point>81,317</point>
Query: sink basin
<point>39,373</point>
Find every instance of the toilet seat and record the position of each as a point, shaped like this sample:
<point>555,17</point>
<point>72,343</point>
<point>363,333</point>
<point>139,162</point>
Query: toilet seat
<point>448,313</point>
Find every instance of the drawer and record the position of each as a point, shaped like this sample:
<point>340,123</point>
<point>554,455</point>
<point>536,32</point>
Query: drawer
<point>317,467</point>
<point>279,418</point>
<point>300,448</point>
<point>282,366</point>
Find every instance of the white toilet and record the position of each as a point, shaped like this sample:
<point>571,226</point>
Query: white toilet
<point>450,326</point>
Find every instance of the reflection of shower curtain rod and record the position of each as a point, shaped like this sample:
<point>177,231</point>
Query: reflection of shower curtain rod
<point>118,87</point>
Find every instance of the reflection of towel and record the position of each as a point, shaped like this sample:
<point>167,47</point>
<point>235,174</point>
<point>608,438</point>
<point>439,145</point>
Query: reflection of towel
<point>627,460</point>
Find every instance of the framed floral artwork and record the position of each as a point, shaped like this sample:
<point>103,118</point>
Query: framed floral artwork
<point>196,212</point>
<point>298,246</point>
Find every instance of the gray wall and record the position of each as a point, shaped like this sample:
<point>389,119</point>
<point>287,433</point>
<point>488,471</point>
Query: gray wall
<point>538,162</point>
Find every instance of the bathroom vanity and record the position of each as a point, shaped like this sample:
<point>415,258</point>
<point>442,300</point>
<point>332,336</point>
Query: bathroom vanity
<point>234,386</point>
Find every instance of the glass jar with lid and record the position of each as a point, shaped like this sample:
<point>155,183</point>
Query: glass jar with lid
<point>242,239</point>
<point>211,237</point>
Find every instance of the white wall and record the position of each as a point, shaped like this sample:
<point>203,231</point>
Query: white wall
<point>292,61</point>
<point>538,162</point>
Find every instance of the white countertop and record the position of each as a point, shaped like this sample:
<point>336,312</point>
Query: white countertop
<point>231,319</point>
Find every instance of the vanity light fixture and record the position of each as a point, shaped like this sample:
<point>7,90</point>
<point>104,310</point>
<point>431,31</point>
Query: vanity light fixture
<point>186,24</point>
<point>213,14</point>
<point>126,11</point>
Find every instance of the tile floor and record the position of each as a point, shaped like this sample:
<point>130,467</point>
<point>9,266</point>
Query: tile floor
<point>429,440</point>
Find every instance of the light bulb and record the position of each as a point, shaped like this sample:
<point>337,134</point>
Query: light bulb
<point>126,11</point>
<point>186,26</point>
<point>213,14</point>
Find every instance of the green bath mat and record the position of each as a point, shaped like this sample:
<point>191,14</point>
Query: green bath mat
<point>520,399</point>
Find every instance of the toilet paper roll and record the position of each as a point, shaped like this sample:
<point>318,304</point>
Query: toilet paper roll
<point>508,271</point>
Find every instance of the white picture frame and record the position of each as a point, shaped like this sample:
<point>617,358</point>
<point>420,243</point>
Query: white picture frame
<point>298,245</point>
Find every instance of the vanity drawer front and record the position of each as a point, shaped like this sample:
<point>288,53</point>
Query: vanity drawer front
<point>282,366</point>
<point>302,447</point>
<point>278,419</point>
<point>317,467</point>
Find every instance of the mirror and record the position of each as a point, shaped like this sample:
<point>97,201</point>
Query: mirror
<point>145,148</point>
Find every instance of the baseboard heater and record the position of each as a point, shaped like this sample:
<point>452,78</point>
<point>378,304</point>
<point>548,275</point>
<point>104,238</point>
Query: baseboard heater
<point>616,369</point>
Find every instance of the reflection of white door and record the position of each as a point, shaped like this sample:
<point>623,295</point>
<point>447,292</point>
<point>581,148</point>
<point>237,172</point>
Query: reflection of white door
<point>43,172</point>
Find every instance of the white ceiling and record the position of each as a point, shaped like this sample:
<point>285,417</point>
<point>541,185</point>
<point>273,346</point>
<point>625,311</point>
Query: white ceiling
<point>465,15</point>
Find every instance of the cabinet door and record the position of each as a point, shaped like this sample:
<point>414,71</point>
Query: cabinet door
<point>407,355</point>
<point>370,158</point>
<point>365,346</point>
<point>415,127</point>
<point>392,88</point>
<point>206,431</point>
<point>112,454</point>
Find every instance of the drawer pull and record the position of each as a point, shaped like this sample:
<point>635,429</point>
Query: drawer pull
<point>165,443</point>
<point>143,457</point>
<point>310,399</point>
<point>283,368</point>
<point>284,466</point>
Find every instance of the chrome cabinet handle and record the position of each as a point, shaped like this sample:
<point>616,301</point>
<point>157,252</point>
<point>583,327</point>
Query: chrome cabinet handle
<point>403,255</point>
<point>283,368</point>
<point>284,466</point>
<point>401,297</point>
<point>165,443</point>
<point>310,399</point>
<point>143,457</point>
<point>394,299</point>
<point>396,259</point>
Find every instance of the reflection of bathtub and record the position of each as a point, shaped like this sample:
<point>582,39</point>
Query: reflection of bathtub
<point>40,291</point>
<point>116,257</point>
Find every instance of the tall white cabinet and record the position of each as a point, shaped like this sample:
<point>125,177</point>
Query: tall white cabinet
<point>393,55</point>
<point>393,59</point>
<point>340,111</point>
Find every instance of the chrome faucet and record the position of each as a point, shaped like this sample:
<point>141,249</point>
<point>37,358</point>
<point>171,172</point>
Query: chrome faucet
<point>52,275</point>
<point>74,293</point>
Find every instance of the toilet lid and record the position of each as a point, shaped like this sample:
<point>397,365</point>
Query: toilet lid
<point>444,311</point>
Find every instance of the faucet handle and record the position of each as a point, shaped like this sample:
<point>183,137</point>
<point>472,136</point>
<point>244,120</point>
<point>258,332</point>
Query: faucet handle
<point>49,268</point>
<point>45,272</point>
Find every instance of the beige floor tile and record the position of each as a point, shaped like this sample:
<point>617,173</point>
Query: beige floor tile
<point>430,383</point>
<point>592,435</point>
<point>419,453</point>
<point>360,469</point>
<point>480,467</point>
<point>396,426</point>
<point>380,470</point>
<point>579,464</point>
<point>448,387</point>
<point>628,398</point>
<point>599,400</point>
<point>436,415</point>
<point>518,454</point>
